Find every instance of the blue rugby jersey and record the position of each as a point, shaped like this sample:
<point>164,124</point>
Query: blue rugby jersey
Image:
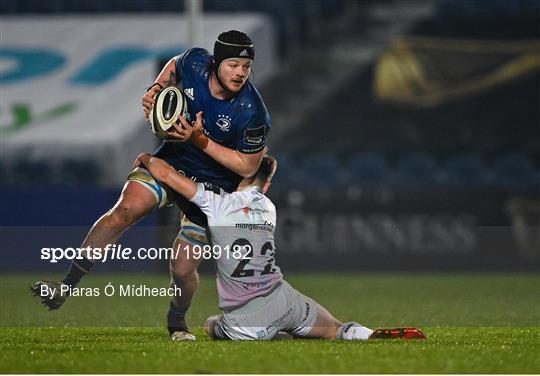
<point>239,123</point>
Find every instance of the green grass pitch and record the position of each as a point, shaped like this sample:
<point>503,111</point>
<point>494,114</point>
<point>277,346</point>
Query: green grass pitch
<point>476,323</point>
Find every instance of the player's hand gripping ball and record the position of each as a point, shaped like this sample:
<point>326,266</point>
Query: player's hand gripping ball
<point>169,104</point>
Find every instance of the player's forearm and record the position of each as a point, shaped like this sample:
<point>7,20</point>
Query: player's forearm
<point>167,76</point>
<point>180,183</point>
<point>243,164</point>
<point>166,174</point>
<point>232,159</point>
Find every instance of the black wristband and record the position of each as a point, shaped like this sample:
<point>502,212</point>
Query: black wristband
<point>154,84</point>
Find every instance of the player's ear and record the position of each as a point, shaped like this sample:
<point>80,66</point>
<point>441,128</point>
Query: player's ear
<point>266,186</point>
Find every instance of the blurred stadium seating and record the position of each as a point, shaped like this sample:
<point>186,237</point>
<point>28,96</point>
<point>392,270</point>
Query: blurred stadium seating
<point>400,185</point>
<point>416,169</point>
<point>515,170</point>
<point>461,170</point>
<point>460,145</point>
<point>367,168</point>
<point>292,18</point>
<point>489,139</point>
<point>466,170</point>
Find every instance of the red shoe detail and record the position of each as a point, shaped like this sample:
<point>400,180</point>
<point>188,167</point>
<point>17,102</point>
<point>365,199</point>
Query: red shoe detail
<point>405,333</point>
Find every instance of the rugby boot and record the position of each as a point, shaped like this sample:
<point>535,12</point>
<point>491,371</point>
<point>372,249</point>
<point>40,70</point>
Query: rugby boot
<point>177,326</point>
<point>182,335</point>
<point>405,333</point>
<point>50,293</point>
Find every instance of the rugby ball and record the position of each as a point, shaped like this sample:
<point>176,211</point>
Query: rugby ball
<point>169,104</point>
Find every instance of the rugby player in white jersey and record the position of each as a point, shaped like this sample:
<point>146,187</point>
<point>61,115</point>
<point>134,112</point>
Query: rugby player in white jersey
<point>257,302</point>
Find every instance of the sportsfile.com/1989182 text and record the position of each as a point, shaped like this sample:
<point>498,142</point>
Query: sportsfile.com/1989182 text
<point>118,252</point>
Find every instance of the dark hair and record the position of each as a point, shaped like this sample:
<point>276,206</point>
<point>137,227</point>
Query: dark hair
<point>267,169</point>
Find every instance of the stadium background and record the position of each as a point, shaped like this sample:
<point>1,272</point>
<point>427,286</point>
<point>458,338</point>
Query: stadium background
<point>408,192</point>
<point>407,132</point>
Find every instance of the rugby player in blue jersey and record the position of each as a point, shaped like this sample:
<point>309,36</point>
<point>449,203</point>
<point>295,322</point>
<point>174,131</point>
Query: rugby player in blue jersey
<point>224,143</point>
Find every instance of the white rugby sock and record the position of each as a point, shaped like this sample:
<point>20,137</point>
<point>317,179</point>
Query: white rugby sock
<point>353,331</point>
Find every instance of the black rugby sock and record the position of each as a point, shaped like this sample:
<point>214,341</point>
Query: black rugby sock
<point>78,269</point>
<point>176,319</point>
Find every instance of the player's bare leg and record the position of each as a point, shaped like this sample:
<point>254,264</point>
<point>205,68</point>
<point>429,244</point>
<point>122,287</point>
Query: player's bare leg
<point>326,326</point>
<point>134,202</point>
<point>184,275</point>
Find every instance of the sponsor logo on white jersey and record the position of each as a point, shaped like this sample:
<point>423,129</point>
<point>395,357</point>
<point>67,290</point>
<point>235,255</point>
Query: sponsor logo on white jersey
<point>189,93</point>
<point>266,226</point>
<point>248,210</point>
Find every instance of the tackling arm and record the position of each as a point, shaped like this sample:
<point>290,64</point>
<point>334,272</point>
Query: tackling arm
<point>165,173</point>
<point>243,164</point>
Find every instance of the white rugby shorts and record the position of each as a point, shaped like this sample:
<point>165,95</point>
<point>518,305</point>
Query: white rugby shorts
<point>284,309</point>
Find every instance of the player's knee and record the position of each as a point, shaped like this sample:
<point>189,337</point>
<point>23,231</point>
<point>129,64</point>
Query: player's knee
<point>184,270</point>
<point>179,273</point>
<point>209,326</point>
<point>121,215</point>
<point>184,265</point>
<point>125,213</point>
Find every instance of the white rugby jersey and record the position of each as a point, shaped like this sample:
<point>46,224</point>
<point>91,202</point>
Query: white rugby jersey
<point>242,226</point>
